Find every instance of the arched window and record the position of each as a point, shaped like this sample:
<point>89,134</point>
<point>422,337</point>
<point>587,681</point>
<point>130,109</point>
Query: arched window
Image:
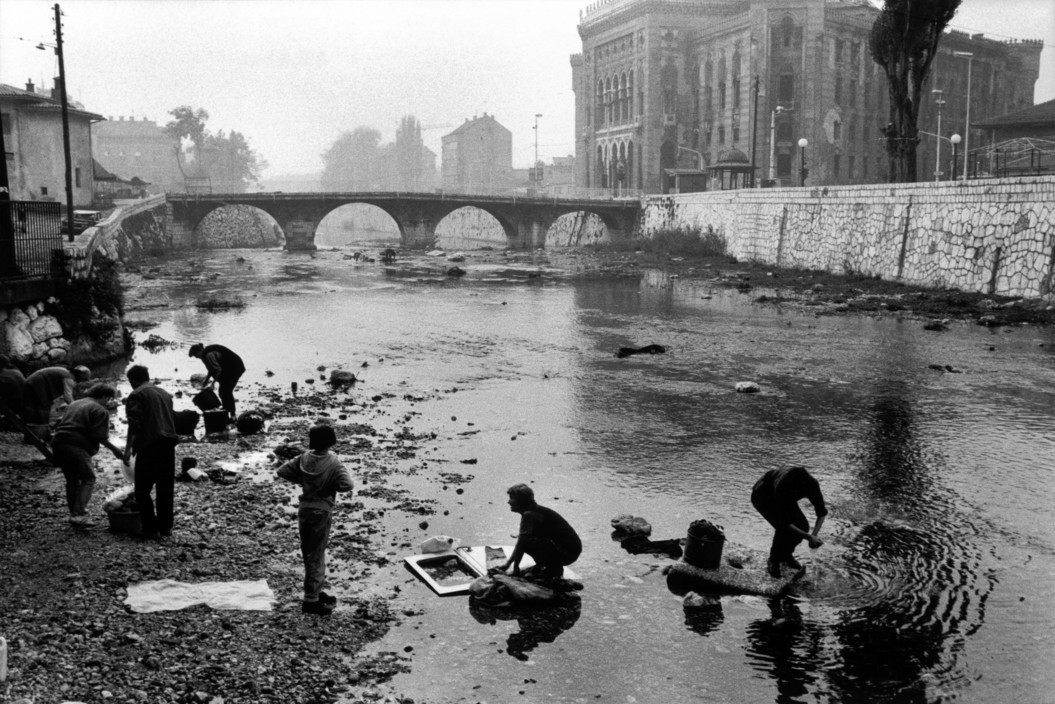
<point>630,94</point>
<point>784,132</point>
<point>608,101</point>
<point>630,164</point>
<point>599,109</point>
<point>624,107</point>
<point>786,88</point>
<point>787,31</point>
<point>721,83</point>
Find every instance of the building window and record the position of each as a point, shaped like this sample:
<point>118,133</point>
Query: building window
<point>786,94</point>
<point>850,163</point>
<point>721,95</point>
<point>43,191</point>
<point>5,118</point>
<point>736,93</point>
<point>852,97</point>
<point>864,167</point>
<point>736,134</point>
<point>784,165</point>
<point>721,135</point>
<point>836,165</point>
<point>77,177</point>
<point>837,130</point>
<point>838,90</point>
<point>852,132</point>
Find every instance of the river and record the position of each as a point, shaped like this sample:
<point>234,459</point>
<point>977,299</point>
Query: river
<point>937,578</point>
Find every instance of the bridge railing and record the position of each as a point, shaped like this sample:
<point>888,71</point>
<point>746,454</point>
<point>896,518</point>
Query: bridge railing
<point>541,193</point>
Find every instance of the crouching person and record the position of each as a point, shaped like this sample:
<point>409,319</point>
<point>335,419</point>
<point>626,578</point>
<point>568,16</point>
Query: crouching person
<point>321,476</point>
<point>544,535</point>
<point>84,426</point>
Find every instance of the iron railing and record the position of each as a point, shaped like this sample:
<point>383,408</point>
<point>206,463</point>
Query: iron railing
<point>31,240</point>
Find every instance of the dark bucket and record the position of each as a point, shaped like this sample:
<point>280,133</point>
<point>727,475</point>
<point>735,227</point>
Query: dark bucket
<point>186,422</point>
<point>703,553</point>
<point>216,421</point>
<point>206,399</point>
<point>125,522</point>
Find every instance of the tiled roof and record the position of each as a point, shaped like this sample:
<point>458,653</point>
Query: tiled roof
<point>43,102</point>
<point>1041,114</point>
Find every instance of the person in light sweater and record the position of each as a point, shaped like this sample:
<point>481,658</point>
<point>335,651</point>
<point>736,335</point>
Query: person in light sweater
<point>321,477</point>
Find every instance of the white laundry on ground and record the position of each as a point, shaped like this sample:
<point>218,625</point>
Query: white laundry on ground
<point>171,595</point>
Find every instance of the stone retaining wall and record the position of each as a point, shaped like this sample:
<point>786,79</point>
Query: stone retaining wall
<point>35,338</point>
<point>993,236</point>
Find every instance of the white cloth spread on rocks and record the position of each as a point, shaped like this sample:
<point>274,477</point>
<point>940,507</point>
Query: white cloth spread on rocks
<point>170,595</point>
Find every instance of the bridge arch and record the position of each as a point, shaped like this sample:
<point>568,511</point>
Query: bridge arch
<point>358,224</point>
<point>237,226</point>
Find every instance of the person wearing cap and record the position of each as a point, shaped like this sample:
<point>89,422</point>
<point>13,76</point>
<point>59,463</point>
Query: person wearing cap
<point>84,426</point>
<point>46,387</point>
<point>776,496</point>
<point>321,476</point>
<point>152,439</point>
<point>225,367</point>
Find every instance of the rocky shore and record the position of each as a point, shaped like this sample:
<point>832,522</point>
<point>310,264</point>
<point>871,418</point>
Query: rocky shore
<point>71,638</point>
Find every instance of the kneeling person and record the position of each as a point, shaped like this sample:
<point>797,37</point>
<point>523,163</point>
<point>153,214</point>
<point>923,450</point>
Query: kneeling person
<point>544,535</point>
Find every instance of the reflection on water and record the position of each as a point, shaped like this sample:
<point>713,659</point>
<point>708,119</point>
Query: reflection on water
<point>538,624</point>
<point>938,484</point>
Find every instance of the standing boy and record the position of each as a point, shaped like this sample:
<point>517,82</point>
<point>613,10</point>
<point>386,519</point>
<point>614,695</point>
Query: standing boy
<point>321,476</point>
<point>152,439</point>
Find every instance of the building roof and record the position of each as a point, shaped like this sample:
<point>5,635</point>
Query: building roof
<point>1039,115</point>
<point>42,102</point>
<point>476,121</point>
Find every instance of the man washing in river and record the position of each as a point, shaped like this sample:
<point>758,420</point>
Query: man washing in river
<point>776,496</point>
<point>225,367</point>
<point>544,535</point>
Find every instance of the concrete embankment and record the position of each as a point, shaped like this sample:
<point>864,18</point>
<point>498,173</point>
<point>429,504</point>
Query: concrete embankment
<point>994,236</point>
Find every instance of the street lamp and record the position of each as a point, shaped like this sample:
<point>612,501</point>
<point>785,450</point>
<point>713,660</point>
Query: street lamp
<point>803,171</point>
<point>967,130</point>
<point>955,139</point>
<point>535,170</point>
<point>937,159</point>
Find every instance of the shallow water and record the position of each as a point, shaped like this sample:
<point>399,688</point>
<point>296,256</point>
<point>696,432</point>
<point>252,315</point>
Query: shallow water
<point>936,579</point>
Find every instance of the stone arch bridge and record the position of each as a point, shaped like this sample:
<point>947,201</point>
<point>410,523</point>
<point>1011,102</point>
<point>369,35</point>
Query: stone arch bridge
<point>525,220</point>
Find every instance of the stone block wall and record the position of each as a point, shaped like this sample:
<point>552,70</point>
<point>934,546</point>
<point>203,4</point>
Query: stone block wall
<point>31,336</point>
<point>992,236</point>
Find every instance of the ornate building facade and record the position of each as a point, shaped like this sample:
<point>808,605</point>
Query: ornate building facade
<point>667,85</point>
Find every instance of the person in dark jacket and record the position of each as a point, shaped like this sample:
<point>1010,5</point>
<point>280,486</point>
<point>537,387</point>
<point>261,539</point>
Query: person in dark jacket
<point>776,496</point>
<point>152,439</point>
<point>321,476</point>
<point>225,367</point>
<point>44,388</point>
<point>84,426</point>
<point>12,385</point>
<point>544,535</point>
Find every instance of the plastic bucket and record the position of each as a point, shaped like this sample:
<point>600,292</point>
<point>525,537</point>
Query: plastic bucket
<point>186,422</point>
<point>703,553</point>
<point>215,421</point>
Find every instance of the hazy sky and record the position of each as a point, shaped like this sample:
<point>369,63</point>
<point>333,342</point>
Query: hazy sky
<point>293,74</point>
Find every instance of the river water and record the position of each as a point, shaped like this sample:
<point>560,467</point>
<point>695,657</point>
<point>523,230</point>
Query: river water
<point>937,579</point>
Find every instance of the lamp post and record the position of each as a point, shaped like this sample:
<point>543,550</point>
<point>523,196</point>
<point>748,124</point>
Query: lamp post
<point>937,158</point>
<point>955,139</point>
<point>967,130</point>
<point>534,171</point>
<point>773,142</point>
<point>803,171</point>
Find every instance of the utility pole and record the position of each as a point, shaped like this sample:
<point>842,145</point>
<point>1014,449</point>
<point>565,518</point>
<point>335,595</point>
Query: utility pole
<point>773,143</point>
<point>754,133</point>
<point>65,122</point>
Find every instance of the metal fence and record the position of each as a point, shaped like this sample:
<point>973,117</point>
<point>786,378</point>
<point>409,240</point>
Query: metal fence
<point>32,247</point>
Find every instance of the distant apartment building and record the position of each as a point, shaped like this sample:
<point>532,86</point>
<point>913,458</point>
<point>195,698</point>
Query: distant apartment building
<point>667,85</point>
<point>140,149</point>
<point>33,145</point>
<point>477,157</point>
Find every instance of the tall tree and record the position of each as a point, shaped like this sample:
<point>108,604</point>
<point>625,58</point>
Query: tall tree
<point>353,161</point>
<point>904,41</point>
<point>226,160</point>
<point>409,155</point>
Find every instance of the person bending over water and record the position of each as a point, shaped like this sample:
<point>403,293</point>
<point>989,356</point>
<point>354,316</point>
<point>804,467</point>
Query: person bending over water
<point>544,535</point>
<point>776,496</point>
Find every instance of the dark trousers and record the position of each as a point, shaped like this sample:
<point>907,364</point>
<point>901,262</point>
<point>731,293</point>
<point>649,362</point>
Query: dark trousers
<point>76,465</point>
<point>314,526</point>
<point>156,468</point>
<point>780,516</point>
<point>546,553</point>
<point>226,383</point>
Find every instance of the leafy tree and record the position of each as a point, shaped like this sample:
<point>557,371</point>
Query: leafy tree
<point>409,156</point>
<point>227,160</point>
<point>353,161</point>
<point>904,41</point>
